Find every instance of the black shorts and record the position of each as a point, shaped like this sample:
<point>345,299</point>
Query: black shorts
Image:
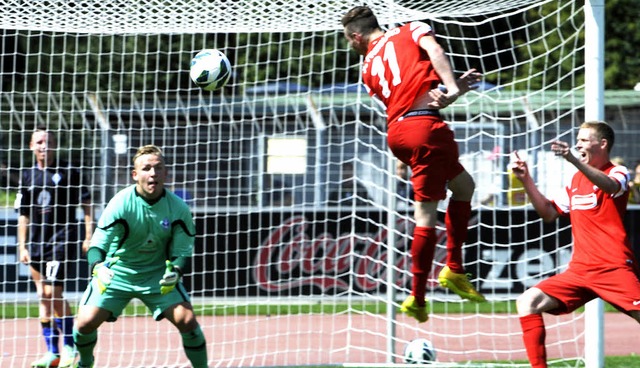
<point>53,272</point>
<point>62,245</point>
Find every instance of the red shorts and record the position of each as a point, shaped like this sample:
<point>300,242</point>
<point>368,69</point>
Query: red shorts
<point>576,286</point>
<point>427,145</point>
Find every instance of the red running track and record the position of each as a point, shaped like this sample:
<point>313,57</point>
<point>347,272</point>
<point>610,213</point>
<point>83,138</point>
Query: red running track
<point>318,339</point>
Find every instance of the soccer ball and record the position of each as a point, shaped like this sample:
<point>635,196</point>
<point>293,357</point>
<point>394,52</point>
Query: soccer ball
<point>419,351</point>
<point>210,69</point>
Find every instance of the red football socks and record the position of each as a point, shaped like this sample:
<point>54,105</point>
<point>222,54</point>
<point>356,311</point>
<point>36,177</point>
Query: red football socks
<point>422,250</point>
<point>533,335</point>
<point>456,221</point>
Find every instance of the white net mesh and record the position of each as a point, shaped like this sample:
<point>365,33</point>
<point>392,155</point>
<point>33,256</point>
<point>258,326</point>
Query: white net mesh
<point>282,275</point>
<point>122,17</point>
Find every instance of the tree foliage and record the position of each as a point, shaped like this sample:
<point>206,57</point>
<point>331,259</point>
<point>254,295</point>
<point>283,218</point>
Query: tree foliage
<point>622,37</point>
<point>309,59</point>
<point>544,55</point>
<point>558,52</point>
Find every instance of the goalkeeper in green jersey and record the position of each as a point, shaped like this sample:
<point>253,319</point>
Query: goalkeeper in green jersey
<point>139,249</point>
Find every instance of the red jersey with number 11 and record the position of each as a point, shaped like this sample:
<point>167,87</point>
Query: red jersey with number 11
<point>396,70</point>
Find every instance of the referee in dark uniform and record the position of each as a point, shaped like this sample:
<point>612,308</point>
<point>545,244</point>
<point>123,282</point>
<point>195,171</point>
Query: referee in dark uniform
<point>50,191</point>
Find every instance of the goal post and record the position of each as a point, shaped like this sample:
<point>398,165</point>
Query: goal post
<point>594,110</point>
<point>304,226</point>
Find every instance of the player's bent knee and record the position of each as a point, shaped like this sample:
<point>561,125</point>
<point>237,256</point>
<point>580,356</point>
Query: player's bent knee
<point>89,318</point>
<point>183,317</point>
<point>86,326</point>
<point>46,295</point>
<point>462,186</point>
<point>524,304</point>
<point>187,324</point>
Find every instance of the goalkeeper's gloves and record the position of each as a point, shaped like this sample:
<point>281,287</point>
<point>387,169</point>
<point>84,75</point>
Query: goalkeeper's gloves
<point>170,278</point>
<point>103,274</point>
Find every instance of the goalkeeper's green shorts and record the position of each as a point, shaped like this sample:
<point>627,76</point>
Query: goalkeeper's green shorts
<point>115,300</point>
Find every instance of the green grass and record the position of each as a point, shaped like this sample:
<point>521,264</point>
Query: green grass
<point>366,307</point>
<point>627,361</point>
<point>31,310</point>
<point>7,198</point>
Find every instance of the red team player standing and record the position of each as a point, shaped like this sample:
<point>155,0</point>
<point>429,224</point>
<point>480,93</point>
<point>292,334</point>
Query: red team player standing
<point>403,68</point>
<point>603,264</point>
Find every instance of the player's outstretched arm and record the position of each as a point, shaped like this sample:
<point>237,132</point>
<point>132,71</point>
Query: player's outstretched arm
<point>541,204</point>
<point>594,174</point>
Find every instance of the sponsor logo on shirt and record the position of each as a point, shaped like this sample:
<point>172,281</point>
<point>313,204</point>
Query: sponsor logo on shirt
<point>165,223</point>
<point>584,202</point>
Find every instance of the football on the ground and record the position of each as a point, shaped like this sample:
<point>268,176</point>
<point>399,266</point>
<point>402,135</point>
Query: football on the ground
<point>210,69</point>
<point>419,351</point>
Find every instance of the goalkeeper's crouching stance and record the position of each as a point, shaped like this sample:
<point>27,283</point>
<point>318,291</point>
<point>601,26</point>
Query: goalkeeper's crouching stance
<point>139,249</point>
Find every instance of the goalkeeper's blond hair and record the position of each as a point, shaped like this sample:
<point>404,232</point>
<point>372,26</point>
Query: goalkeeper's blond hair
<point>149,149</point>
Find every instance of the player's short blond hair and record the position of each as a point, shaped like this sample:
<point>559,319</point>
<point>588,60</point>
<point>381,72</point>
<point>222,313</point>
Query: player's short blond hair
<point>602,131</point>
<point>149,149</point>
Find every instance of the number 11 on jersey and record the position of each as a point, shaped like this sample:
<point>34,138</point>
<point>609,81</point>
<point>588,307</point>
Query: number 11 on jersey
<point>378,68</point>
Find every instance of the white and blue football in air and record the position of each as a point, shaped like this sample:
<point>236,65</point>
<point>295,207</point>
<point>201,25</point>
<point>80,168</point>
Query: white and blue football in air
<point>210,69</point>
<point>419,351</point>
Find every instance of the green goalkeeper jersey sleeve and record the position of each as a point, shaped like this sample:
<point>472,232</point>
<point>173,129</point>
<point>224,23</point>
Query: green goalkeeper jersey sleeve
<point>143,236</point>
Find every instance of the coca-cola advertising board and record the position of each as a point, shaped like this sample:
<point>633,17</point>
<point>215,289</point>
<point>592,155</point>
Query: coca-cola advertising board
<point>332,252</point>
<point>339,252</point>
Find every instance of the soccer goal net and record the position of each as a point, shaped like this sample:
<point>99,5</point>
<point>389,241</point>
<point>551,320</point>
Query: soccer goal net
<point>303,223</point>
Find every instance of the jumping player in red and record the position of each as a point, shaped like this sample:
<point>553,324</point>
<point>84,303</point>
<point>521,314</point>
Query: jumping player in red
<point>403,67</point>
<point>602,264</point>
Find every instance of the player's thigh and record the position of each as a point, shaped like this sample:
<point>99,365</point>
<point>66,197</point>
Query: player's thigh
<point>111,300</point>
<point>434,162</point>
<point>535,301</point>
<point>426,213</point>
<point>428,146</point>
<point>162,306</point>
<point>462,187</point>
<point>569,288</point>
<point>89,318</point>
<point>36,276</point>
<point>619,286</point>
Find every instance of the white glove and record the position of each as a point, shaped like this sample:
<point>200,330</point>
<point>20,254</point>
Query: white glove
<point>169,280</point>
<point>103,274</point>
